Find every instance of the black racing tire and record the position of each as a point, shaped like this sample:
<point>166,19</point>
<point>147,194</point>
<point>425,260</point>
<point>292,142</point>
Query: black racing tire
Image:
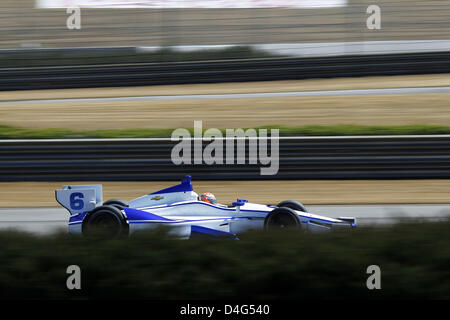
<point>118,203</point>
<point>293,204</point>
<point>281,218</point>
<point>105,221</point>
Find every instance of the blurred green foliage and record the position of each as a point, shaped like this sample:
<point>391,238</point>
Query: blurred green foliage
<point>414,259</point>
<point>8,132</point>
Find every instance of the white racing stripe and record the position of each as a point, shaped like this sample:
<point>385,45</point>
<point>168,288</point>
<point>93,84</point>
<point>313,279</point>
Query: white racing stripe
<point>191,4</point>
<point>305,138</point>
<point>353,92</point>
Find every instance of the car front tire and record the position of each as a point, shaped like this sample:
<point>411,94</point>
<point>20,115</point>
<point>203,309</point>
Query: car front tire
<point>282,218</point>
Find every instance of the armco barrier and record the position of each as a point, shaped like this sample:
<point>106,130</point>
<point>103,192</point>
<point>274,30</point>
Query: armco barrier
<point>223,71</point>
<point>370,157</point>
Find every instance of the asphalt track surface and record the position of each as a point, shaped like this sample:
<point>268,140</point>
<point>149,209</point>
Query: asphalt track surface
<point>48,220</point>
<point>349,92</point>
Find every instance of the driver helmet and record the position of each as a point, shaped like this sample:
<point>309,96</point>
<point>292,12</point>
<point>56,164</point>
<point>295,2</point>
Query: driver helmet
<point>208,197</point>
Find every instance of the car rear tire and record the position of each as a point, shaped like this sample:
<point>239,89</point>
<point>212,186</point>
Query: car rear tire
<point>282,218</point>
<point>292,204</point>
<point>105,221</point>
<point>116,202</point>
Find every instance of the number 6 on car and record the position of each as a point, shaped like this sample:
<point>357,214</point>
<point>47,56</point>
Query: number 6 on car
<point>79,199</point>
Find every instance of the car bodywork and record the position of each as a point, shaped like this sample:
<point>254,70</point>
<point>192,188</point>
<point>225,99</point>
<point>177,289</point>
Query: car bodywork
<point>178,207</point>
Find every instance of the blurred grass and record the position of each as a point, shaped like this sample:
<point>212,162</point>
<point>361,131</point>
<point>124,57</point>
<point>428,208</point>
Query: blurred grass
<point>413,258</point>
<point>9,132</point>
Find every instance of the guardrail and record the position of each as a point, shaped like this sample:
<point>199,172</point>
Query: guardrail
<point>223,71</point>
<point>370,157</point>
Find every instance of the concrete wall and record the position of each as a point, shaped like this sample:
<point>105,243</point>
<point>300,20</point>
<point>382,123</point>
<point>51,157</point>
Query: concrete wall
<point>21,25</point>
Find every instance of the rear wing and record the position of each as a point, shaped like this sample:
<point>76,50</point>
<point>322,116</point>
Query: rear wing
<point>80,198</point>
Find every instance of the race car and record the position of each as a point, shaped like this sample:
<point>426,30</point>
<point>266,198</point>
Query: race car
<point>185,213</point>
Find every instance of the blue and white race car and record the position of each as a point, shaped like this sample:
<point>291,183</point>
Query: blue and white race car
<point>180,208</point>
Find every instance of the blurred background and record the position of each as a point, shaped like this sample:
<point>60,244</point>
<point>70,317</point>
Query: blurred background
<point>364,120</point>
<point>309,68</point>
<point>22,25</point>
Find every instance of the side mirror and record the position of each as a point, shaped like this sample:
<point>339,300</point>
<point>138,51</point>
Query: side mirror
<point>238,204</point>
